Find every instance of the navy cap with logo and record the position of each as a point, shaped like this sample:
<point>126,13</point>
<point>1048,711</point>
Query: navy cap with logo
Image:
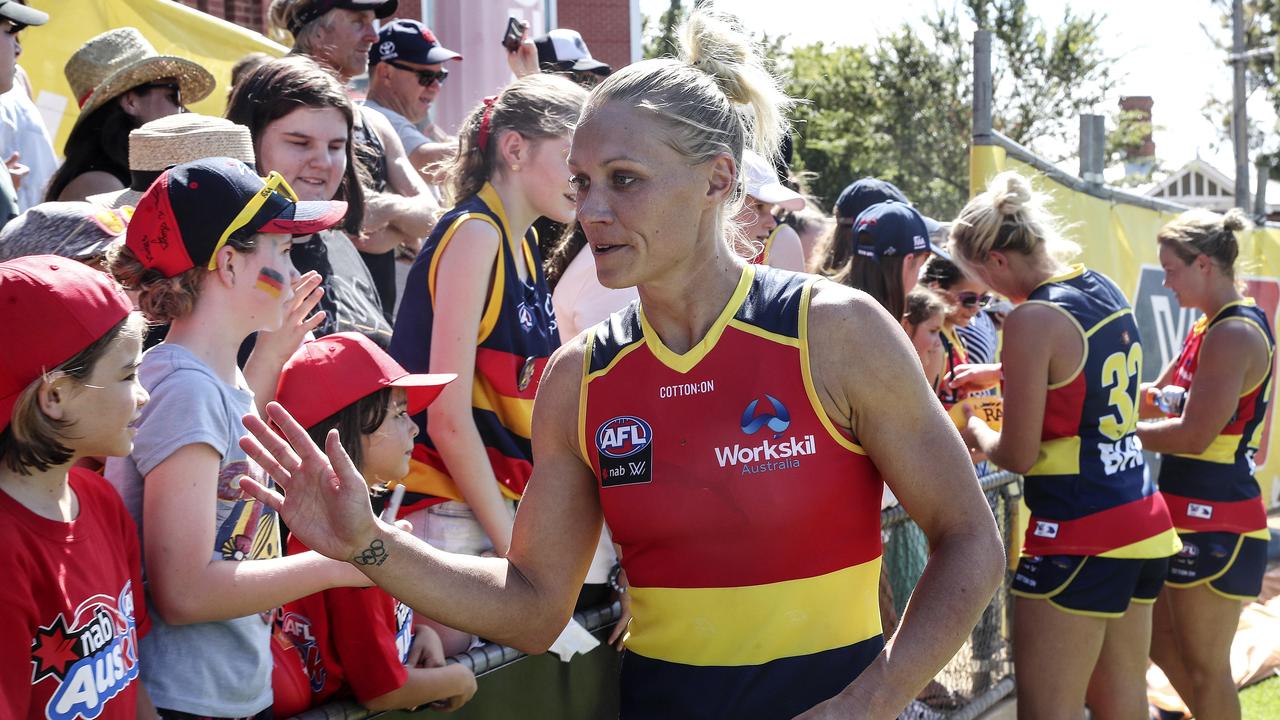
<point>409,41</point>
<point>315,9</point>
<point>862,194</point>
<point>891,229</point>
<point>193,209</point>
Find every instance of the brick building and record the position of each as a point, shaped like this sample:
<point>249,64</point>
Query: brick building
<point>611,29</point>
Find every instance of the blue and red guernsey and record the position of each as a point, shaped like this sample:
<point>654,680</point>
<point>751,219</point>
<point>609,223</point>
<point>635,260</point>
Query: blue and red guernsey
<point>1215,491</point>
<point>517,334</point>
<point>749,523</point>
<point>1088,491</point>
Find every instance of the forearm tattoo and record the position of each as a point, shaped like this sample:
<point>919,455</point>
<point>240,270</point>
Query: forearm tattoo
<point>375,554</point>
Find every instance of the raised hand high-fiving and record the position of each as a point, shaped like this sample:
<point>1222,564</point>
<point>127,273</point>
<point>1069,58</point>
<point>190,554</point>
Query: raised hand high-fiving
<point>325,501</point>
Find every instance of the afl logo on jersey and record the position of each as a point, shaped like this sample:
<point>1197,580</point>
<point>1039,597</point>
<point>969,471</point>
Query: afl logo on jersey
<point>623,436</point>
<point>626,451</point>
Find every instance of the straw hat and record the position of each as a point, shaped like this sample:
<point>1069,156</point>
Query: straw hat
<point>119,60</point>
<point>173,140</point>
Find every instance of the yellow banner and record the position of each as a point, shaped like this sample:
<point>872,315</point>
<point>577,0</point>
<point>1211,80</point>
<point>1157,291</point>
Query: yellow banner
<point>173,28</point>
<point>1119,240</point>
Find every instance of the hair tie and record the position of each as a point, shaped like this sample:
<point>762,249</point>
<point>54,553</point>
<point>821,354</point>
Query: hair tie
<point>482,136</point>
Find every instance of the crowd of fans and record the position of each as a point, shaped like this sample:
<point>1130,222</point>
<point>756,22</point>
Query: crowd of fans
<point>178,272</point>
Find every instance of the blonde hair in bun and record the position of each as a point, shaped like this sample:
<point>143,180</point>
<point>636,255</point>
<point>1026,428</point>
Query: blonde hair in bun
<point>717,98</point>
<point>1009,217</point>
<point>1203,232</point>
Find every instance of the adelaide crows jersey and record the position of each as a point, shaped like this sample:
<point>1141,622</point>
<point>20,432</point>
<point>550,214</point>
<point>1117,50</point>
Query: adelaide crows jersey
<point>1215,491</point>
<point>517,334</point>
<point>749,523</point>
<point>1089,491</point>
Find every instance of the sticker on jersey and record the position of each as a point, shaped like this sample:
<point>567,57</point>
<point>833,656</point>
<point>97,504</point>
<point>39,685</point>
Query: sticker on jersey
<point>625,445</point>
<point>1197,510</point>
<point>525,314</point>
<point>296,628</point>
<point>93,656</point>
<point>1046,529</point>
<point>778,421</point>
<point>772,453</point>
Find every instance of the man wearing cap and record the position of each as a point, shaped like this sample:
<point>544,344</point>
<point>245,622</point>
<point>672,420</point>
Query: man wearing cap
<point>561,51</point>
<point>14,16</point>
<point>406,71</point>
<point>399,208</point>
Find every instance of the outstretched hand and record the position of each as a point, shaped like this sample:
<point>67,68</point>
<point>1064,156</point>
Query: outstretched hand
<point>325,501</point>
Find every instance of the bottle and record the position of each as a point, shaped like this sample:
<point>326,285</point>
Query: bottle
<point>1171,399</point>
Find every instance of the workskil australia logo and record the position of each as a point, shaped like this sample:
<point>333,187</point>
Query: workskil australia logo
<point>772,452</point>
<point>625,444</point>
<point>92,656</point>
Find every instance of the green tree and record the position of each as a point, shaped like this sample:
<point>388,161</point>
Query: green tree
<point>901,109</point>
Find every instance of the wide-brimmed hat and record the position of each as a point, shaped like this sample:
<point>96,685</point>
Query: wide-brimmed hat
<point>78,230</point>
<point>117,61</point>
<point>173,140</point>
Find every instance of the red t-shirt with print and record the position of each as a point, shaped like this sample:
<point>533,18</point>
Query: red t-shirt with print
<point>71,608</point>
<point>349,642</point>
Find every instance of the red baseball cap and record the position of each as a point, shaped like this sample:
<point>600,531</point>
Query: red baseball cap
<point>51,308</point>
<point>192,209</point>
<point>328,374</point>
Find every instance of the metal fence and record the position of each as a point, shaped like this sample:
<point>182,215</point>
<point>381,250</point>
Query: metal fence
<point>978,676</point>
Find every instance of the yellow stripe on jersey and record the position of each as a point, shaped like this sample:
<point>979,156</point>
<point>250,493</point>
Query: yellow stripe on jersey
<point>735,626</point>
<point>589,343</point>
<point>494,305</point>
<point>684,362</point>
<point>1060,456</point>
<point>1161,545</point>
<point>806,373</point>
<point>516,413</point>
<point>1222,450</point>
<point>765,334</point>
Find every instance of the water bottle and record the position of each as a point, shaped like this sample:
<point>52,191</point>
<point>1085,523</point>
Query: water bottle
<point>1171,399</point>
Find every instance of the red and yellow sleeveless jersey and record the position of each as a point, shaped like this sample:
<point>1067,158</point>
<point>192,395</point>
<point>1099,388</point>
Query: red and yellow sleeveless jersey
<point>749,523</point>
<point>1215,491</point>
<point>1089,492</point>
<point>517,334</point>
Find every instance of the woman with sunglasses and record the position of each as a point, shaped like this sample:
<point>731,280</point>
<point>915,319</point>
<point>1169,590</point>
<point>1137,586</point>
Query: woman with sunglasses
<point>121,84</point>
<point>967,297</point>
<point>1099,539</point>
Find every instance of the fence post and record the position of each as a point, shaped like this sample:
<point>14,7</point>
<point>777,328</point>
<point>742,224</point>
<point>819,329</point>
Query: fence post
<point>1260,200</point>
<point>982,90</point>
<point>1093,141</point>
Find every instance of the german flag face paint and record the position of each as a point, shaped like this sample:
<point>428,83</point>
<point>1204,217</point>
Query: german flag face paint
<point>270,282</point>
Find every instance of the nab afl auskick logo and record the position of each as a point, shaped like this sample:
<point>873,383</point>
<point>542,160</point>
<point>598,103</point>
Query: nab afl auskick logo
<point>623,436</point>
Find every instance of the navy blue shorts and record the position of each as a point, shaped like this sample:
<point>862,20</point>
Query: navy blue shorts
<point>1090,585</point>
<point>1231,564</point>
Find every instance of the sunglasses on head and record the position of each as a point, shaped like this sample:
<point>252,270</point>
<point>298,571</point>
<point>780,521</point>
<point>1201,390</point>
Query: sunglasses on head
<point>973,299</point>
<point>172,88</point>
<point>425,77</point>
<point>273,183</point>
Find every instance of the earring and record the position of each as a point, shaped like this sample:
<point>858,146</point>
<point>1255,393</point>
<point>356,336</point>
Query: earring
<point>515,167</point>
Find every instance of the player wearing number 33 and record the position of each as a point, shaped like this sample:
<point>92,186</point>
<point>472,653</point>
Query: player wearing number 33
<point>1099,539</point>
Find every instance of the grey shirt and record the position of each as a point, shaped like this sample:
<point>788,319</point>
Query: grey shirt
<point>220,669</point>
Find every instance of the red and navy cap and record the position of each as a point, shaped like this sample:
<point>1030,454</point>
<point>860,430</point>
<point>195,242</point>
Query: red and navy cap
<point>409,41</point>
<point>889,229</point>
<point>182,219</point>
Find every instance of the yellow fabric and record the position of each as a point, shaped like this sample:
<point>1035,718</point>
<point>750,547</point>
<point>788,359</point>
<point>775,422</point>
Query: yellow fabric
<point>173,28</point>
<point>1058,457</point>
<point>1119,239</point>
<point>1156,546</point>
<point>755,624</point>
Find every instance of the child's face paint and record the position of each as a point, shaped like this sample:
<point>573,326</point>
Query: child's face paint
<point>270,282</point>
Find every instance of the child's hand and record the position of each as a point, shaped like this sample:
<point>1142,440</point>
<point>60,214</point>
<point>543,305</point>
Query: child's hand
<point>427,650</point>
<point>465,689</point>
<point>974,377</point>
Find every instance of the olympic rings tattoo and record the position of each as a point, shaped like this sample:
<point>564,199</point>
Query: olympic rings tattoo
<point>375,554</point>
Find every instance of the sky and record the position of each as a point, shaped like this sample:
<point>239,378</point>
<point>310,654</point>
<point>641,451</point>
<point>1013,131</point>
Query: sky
<point>1164,48</point>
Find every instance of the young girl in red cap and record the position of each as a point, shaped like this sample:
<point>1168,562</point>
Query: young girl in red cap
<point>476,301</point>
<point>360,642</point>
<point>71,610</point>
<point>208,252</point>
